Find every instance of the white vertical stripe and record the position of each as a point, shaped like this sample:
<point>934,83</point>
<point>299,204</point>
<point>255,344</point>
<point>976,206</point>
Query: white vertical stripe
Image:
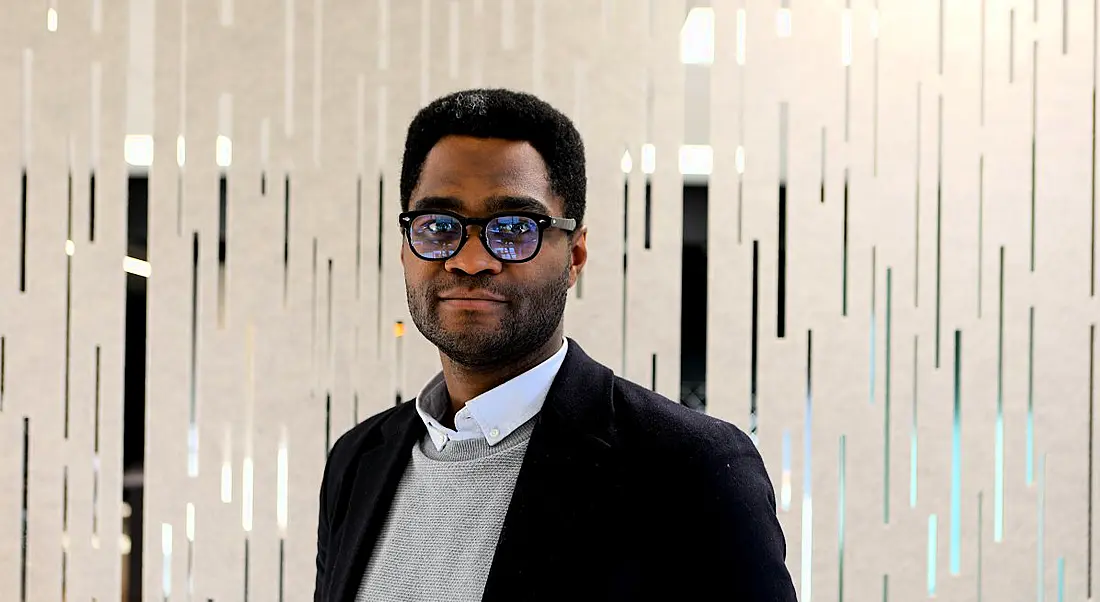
<point>425,48</point>
<point>97,112</point>
<point>381,128</point>
<point>318,76</point>
<point>360,118</point>
<point>383,34</point>
<point>97,16</point>
<point>508,24</point>
<point>453,47</point>
<point>227,13</point>
<point>537,45</point>
<point>288,72</point>
<point>28,82</point>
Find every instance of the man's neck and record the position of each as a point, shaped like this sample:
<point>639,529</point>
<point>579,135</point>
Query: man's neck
<point>465,383</point>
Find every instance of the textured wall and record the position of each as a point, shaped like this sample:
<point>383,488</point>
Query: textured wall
<point>901,255</point>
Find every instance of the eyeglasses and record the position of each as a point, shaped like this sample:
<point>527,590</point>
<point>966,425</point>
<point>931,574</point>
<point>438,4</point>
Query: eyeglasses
<point>513,237</point>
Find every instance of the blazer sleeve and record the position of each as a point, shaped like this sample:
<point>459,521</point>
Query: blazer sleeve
<point>323,530</point>
<point>744,532</point>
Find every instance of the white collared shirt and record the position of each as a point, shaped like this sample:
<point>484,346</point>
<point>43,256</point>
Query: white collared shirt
<point>494,414</point>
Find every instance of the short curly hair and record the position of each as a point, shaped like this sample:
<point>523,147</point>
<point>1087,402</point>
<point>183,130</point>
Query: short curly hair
<point>508,115</point>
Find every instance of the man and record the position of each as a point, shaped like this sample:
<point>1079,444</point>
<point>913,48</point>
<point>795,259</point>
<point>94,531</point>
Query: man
<point>526,470</point>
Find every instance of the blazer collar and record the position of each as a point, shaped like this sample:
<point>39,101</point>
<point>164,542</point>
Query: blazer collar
<point>557,495</point>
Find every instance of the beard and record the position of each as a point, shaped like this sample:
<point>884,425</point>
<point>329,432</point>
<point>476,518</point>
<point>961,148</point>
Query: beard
<point>532,315</point>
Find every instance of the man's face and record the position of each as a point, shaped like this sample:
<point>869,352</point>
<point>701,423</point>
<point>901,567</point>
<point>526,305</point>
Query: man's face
<point>477,177</point>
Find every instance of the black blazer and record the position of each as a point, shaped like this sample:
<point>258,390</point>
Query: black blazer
<point>623,495</point>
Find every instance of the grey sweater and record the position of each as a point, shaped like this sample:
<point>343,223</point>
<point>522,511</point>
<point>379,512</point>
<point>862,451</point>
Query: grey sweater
<point>439,538</point>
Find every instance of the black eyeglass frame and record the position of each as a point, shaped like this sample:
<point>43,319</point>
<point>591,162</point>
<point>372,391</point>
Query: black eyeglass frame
<point>543,222</point>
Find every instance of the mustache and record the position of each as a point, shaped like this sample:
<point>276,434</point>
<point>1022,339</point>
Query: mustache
<point>484,282</point>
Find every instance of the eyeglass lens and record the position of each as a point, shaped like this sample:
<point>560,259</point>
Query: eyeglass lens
<point>509,237</point>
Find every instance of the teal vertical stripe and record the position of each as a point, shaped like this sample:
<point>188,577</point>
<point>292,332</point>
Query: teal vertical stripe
<point>932,555</point>
<point>999,429</point>
<point>1061,579</point>
<point>956,460</point>
<point>841,503</point>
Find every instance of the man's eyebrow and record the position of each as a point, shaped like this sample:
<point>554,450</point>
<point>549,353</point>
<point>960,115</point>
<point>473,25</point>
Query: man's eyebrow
<point>494,204</point>
<point>497,204</point>
<point>438,202</point>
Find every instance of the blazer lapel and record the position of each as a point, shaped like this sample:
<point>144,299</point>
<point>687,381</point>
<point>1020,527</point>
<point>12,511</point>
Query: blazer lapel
<point>565,493</point>
<point>379,471</point>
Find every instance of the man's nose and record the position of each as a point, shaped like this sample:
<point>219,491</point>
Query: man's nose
<point>473,258</point>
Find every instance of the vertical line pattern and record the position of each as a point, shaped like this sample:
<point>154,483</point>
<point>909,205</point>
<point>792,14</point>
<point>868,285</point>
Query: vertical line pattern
<point>626,250</point>
<point>358,236</point>
<point>999,426</point>
<point>91,207</point>
<point>653,372</point>
<point>223,243</point>
<point>648,212</point>
<point>68,301</point>
<point>781,251</point>
<point>841,506</point>
<point>246,563</point>
<point>1034,124</point>
<point>286,231</point>
<point>755,337</point>
<point>807,477</point>
<point>956,461</point>
<point>886,402</point>
<point>3,369</point>
<point>844,251</point>
<point>23,233</point>
<point>1092,416</point>
<point>378,300</point>
<point>282,568</point>
<point>192,426</point>
<point>23,535</point>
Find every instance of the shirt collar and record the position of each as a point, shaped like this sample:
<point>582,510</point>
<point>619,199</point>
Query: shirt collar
<point>494,414</point>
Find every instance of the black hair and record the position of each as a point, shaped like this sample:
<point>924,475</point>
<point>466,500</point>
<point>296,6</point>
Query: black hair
<point>508,115</point>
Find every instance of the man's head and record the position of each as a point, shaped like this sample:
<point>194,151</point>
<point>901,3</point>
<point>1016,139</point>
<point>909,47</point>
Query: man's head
<point>480,154</point>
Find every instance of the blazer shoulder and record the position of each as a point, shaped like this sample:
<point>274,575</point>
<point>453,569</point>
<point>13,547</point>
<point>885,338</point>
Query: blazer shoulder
<point>361,437</point>
<point>650,422</point>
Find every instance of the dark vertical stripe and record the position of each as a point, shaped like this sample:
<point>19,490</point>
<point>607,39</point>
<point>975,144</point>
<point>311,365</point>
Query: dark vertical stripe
<point>64,575</point>
<point>355,407</point>
<point>781,266</point>
<point>91,207</point>
<point>263,183</point>
<point>194,359</point>
<point>823,156</point>
<point>23,233</point>
<point>1092,415</point>
<point>328,314</point>
<point>358,236</point>
<point>378,304</point>
<point>96,394</point>
<point>68,309</point>
<point>25,507</point>
<point>1034,123</point>
<point>223,246</point>
<point>653,372</point>
<point>3,369</point>
<point>282,568</point>
<point>648,212</point>
<point>64,499</point>
<point>844,252</point>
<point>328,421</point>
<point>246,569</point>
<point>885,588</point>
<point>755,338</point>
<point>626,252</point>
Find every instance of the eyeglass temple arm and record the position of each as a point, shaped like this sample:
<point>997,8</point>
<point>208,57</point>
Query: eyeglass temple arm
<point>563,223</point>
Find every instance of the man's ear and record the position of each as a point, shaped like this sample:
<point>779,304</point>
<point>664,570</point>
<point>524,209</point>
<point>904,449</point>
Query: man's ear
<point>578,254</point>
